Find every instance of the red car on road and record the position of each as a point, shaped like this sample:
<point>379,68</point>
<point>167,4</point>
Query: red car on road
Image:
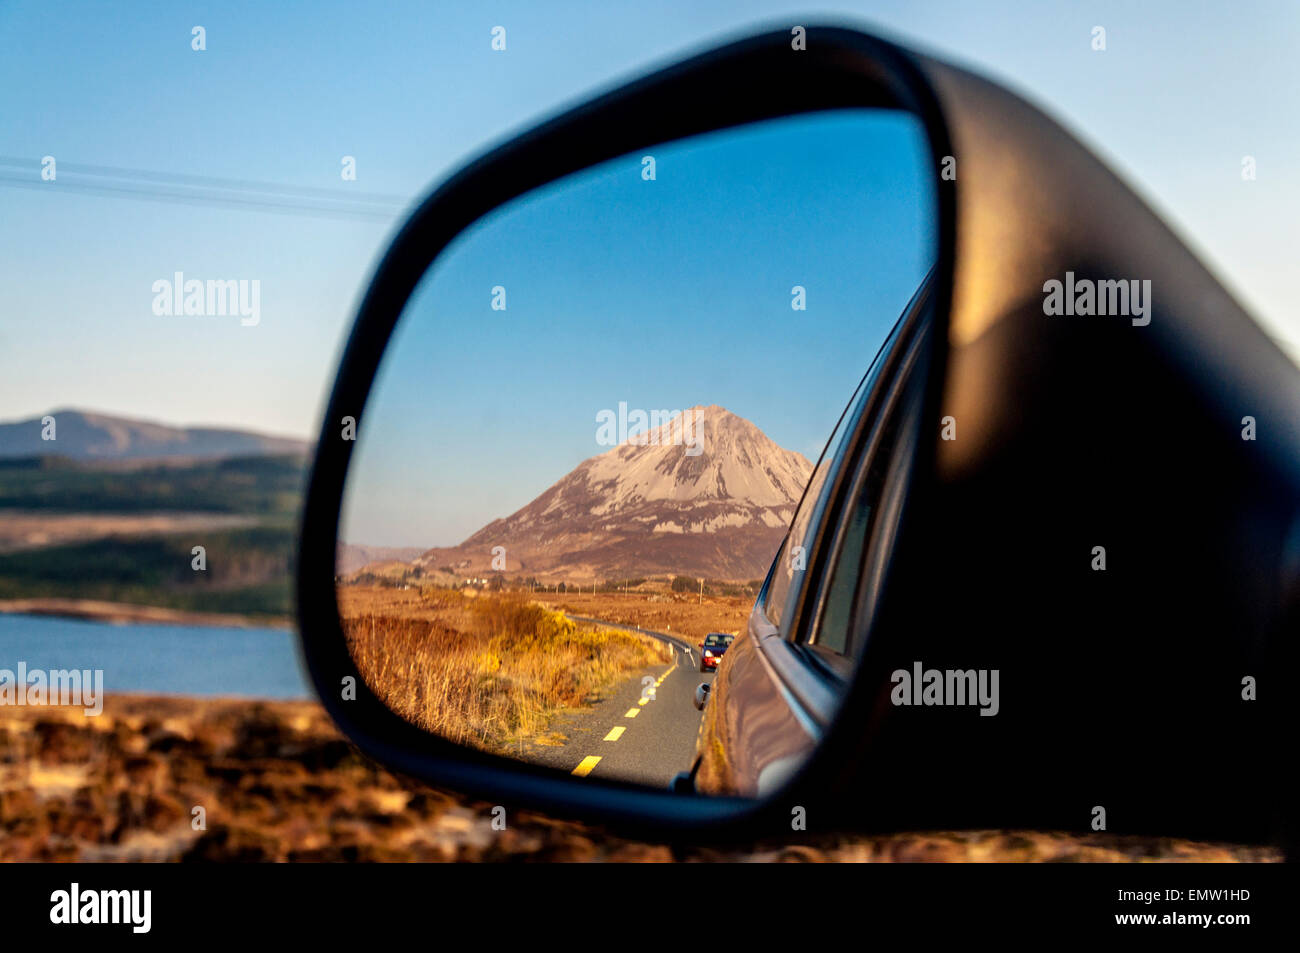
<point>712,649</point>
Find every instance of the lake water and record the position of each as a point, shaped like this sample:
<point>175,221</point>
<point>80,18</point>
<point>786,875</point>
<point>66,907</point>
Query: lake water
<point>160,659</point>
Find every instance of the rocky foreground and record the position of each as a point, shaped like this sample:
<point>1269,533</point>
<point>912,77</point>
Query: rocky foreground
<point>274,781</point>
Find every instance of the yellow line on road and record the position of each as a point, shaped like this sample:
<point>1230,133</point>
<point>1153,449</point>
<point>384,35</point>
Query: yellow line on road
<point>615,733</point>
<point>586,764</point>
<point>632,712</point>
<point>642,701</point>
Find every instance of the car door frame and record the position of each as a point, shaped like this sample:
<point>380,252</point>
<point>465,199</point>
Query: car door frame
<point>811,691</point>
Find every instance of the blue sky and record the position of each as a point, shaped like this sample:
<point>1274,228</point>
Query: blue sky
<point>661,295</point>
<point>283,91</point>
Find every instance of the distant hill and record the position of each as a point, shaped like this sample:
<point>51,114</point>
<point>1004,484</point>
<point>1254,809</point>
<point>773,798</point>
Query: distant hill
<point>88,436</point>
<point>350,556</point>
<point>651,507</point>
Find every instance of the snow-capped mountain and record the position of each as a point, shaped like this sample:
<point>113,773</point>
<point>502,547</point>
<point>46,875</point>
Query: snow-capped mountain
<point>705,494</point>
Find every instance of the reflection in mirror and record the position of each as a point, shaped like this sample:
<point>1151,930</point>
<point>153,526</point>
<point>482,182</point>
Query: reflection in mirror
<point>594,425</point>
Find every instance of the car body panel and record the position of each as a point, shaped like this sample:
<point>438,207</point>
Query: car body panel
<point>750,738</point>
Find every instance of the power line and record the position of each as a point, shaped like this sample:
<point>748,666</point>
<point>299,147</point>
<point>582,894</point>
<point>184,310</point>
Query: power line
<point>199,199</point>
<point>246,185</point>
<point>210,191</point>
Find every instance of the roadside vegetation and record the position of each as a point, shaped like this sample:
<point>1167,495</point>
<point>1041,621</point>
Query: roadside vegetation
<point>488,670</point>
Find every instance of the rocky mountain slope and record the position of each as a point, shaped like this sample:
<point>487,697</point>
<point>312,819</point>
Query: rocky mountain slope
<point>705,494</point>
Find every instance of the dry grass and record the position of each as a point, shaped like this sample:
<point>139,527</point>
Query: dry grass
<point>279,784</point>
<point>490,671</point>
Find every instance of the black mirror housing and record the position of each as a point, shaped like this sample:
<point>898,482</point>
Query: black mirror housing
<point>1069,432</point>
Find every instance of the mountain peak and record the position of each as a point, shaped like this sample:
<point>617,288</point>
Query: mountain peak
<point>705,492</point>
<point>703,453</point>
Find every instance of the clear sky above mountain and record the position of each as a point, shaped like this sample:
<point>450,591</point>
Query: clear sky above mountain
<point>284,91</point>
<point>627,295</point>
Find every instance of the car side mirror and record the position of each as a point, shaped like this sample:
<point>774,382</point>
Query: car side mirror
<point>1036,525</point>
<point>701,696</point>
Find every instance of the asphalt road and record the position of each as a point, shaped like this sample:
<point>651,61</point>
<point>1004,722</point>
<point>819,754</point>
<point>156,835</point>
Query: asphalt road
<point>635,734</point>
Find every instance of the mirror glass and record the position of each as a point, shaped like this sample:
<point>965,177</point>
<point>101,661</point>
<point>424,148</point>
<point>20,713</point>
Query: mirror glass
<point>594,425</point>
